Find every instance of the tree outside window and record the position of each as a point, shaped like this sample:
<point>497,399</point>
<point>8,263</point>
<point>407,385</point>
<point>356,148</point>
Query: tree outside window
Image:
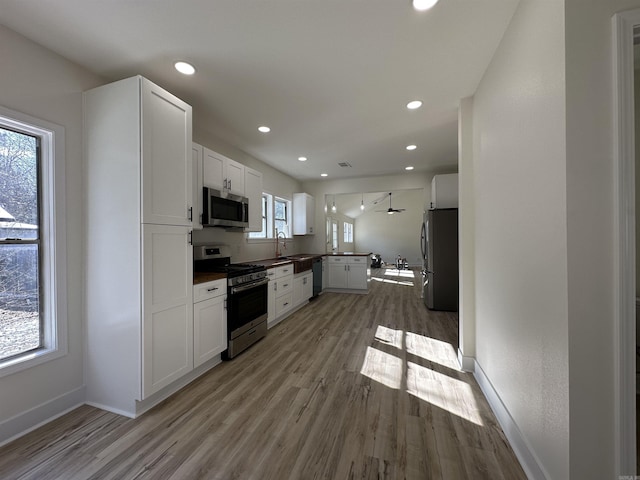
<point>20,316</point>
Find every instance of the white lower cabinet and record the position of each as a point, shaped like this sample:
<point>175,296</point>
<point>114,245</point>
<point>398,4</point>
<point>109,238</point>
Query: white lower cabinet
<point>167,328</point>
<point>209,321</point>
<point>302,288</point>
<point>280,297</point>
<point>348,273</point>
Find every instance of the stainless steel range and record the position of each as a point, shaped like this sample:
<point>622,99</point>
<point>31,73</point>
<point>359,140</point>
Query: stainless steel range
<point>246,296</point>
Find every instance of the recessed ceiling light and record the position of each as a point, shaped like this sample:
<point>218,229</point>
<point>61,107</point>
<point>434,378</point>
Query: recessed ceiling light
<point>302,159</point>
<point>185,68</point>
<point>411,147</point>
<point>264,129</point>
<point>324,174</point>
<point>424,4</point>
<point>408,168</point>
<point>414,104</point>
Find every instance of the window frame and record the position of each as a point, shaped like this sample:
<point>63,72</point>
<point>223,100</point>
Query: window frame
<point>52,233</point>
<point>347,232</point>
<point>271,200</point>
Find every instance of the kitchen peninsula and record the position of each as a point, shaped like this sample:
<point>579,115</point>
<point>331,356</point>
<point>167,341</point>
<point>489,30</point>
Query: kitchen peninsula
<point>348,272</point>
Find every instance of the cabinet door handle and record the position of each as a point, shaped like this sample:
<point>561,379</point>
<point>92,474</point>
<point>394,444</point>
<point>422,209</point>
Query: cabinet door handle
<point>224,183</point>
<point>229,184</point>
<point>212,289</point>
<point>190,214</point>
<point>190,238</point>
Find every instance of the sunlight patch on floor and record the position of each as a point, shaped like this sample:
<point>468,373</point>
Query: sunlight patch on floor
<point>389,336</point>
<point>396,282</point>
<point>439,389</point>
<point>382,367</point>
<point>443,391</point>
<point>432,349</point>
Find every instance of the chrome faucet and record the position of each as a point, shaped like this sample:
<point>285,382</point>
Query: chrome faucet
<point>284,242</point>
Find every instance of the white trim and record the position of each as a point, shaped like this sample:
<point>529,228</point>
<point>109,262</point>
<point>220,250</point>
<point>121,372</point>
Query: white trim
<point>467,364</point>
<point>624,243</point>
<point>53,243</point>
<point>526,456</point>
<point>40,415</point>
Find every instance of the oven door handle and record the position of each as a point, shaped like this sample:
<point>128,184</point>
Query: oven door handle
<point>249,286</point>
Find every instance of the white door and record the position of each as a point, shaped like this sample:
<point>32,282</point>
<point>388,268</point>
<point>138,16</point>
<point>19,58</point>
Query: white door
<point>167,309</point>
<point>209,329</point>
<point>166,157</point>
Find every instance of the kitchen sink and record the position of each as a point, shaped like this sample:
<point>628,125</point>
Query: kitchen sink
<point>301,262</point>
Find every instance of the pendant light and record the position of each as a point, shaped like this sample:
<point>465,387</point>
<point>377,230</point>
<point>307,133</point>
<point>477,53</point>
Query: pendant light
<point>333,208</point>
<point>362,203</point>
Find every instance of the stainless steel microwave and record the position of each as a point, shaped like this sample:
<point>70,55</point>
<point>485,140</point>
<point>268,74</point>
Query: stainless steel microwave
<point>224,209</point>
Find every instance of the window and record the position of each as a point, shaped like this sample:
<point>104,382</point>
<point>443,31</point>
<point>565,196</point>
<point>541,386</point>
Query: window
<point>348,232</point>
<point>266,207</point>
<point>334,242</point>
<point>281,216</point>
<point>276,214</point>
<point>32,247</point>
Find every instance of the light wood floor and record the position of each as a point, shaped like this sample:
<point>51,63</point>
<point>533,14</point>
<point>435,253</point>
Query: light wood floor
<point>349,387</point>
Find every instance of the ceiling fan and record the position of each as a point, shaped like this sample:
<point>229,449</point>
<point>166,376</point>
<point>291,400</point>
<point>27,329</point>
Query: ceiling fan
<point>390,210</point>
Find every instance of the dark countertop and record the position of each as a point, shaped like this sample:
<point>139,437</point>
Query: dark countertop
<point>203,277</point>
<point>272,262</point>
<point>286,259</point>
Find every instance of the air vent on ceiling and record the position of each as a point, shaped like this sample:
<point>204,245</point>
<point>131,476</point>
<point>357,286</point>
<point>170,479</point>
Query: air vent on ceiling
<point>345,164</point>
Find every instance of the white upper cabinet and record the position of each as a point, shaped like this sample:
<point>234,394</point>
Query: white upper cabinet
<point>253,191</point>
<point>213,170</point>
<point>444,191</point>
<point>303,214</point>
<point>197,157</point>
<point>166,160</point>
<point>222,173</point>
<point>235,177</point>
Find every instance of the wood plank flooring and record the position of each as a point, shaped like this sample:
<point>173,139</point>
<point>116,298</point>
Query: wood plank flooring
<point>348,387</point>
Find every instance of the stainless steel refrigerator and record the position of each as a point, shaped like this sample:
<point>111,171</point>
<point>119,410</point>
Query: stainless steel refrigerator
<point>439,245</point>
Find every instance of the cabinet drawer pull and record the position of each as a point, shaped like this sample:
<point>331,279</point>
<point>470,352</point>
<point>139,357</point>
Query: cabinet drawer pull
<point>212,289</point>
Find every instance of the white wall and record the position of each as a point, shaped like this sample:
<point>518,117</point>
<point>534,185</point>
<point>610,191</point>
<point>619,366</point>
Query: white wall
<point>591,270</point>
<point>545,273</point>
<point>320,188</point>
<point>41,84</point>
<point>393,235</point>
<point>520,230</point>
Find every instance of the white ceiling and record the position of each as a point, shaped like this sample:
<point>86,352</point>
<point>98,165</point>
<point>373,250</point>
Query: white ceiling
<point>330,77</point>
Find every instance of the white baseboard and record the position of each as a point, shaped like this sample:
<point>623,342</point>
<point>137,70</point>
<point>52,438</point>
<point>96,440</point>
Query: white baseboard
<point>150,402</point>
<point>35,417</point>
<point>467,364</point>
<point>518,442</point>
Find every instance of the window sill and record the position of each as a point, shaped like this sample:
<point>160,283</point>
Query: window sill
<point>267,240</point>
<point>29,360</point>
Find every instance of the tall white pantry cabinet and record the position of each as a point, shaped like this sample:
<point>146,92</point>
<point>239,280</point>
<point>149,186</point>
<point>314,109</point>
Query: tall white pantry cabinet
<point>139,260</point>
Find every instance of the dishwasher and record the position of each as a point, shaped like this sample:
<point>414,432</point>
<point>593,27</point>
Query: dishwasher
<point>317,276</point>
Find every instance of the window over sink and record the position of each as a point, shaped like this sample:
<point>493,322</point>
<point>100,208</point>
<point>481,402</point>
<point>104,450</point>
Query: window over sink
<point>276,215</point>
